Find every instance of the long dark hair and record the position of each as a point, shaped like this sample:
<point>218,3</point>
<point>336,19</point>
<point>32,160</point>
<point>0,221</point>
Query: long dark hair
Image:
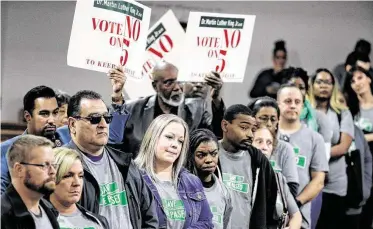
<point>196,137</point>
<point>351,96</point>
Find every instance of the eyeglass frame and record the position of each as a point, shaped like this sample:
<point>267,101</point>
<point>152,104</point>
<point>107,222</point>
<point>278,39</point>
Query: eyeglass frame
<point>89,118</point>
<point>44,166</point>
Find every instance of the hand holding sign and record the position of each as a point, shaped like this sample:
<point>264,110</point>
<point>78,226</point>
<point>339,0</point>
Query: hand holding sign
<point>214,41</point>
<point>213,79</point>
<point>117,78</point>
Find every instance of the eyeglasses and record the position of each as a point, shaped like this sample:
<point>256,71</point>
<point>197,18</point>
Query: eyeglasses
<point>264,119</point>
<point>97,118</point>
<point>327,82</point>
<point>281,57</point>
<point>44,166</point>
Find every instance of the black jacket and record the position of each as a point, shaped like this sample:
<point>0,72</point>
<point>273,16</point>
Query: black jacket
<point>264,182</point>
<point>15,215</point>
<point>193,111</point>
<point>99,219</point>
<point>141,204</point>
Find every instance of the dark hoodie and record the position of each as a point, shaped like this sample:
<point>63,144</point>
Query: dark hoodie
<point>264,189</point>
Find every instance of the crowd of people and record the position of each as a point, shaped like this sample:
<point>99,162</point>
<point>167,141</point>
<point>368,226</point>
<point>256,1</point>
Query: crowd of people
<point>299,155</point>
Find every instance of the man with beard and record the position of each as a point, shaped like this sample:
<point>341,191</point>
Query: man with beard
<point>246,172</point>
<point>169,99</point>
<point>308,146</point>
<point>41,112</point>
<point>33,172</point>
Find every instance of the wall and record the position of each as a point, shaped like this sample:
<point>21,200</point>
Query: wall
<point>35,37</point>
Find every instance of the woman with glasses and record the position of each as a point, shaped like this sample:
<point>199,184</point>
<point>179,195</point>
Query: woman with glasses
<point>287,212</point>
<point>268,81</point>
<point>202,161</point>
<point>267,114</point>
<point>358,87</point>
<point>323,96</point>
<point>181,199</point>
<point>69,185</point>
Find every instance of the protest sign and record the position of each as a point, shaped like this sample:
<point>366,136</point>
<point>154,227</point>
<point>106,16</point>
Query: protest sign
<point>164,43</point>
<point>216,42</point>
<point>108,33</point>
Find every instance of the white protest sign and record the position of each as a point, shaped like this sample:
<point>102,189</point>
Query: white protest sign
<point>107,33</point>
<point>216,42</point>
<point>164,43</point>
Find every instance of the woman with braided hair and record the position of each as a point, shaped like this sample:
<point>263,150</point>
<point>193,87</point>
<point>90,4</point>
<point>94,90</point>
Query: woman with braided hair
<point>202,161</point>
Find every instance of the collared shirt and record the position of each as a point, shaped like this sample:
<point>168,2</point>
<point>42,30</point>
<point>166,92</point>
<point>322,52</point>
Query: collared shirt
<point>158,110</point>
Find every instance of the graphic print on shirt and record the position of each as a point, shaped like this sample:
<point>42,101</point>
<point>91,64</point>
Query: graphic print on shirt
<point>299,159</point>
<point>365,124</point>
<point>217,217</point>
<point>174,209</point>
<point>235,182</point>
<point>274,166</point>
<point>77,228</point>
<point>110,195</point>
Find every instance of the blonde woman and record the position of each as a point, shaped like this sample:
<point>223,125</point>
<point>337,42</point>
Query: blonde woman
<point>181,200</point>
<point>69,185</point>
<point>323,96</point>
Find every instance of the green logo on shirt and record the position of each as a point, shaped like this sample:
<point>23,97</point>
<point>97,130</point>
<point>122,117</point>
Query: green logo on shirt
<point>365,124</point>
<point>274,166</point>
<point>300,160</point>
<point>235,182</point>
<point>216,216</point>
<point>110,195</point>
<point>174,209</point>
<point>77,228</point>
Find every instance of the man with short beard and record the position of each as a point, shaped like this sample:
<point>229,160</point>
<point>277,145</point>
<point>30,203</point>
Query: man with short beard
<point>246,172</point>
<point>169,99</point>
<point>41,112</point>
<point>33,172</point>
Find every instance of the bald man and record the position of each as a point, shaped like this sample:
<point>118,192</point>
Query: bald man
<point>169,99</point>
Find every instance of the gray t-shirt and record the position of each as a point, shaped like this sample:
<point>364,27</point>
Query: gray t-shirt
<point>292,206</point>
<point>325,128</point>
<point>238,178</point>
<point>172,204</point>
<point>337,177</point>
<point>77,220</point>
<point>41,220</point>
<point>283,160</point>
<point>217,198</point>
<point>113,196</point>
<point>309,149</point>
<point>364,120</point>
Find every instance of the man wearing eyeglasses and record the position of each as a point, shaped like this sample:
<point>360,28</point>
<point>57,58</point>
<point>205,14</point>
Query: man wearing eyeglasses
<point>169,99</point>
<point>33,173</point>
<point>41,113</point>
<point>113,186</point>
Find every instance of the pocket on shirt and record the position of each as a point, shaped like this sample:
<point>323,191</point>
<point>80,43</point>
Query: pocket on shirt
<point>195,199</point>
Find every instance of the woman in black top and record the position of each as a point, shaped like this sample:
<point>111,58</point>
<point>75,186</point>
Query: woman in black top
<point>268,81</point>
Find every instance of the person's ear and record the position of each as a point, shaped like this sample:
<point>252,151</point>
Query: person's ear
<point>72,125</point>
<point>27,116</point>
<point>224,125</point>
